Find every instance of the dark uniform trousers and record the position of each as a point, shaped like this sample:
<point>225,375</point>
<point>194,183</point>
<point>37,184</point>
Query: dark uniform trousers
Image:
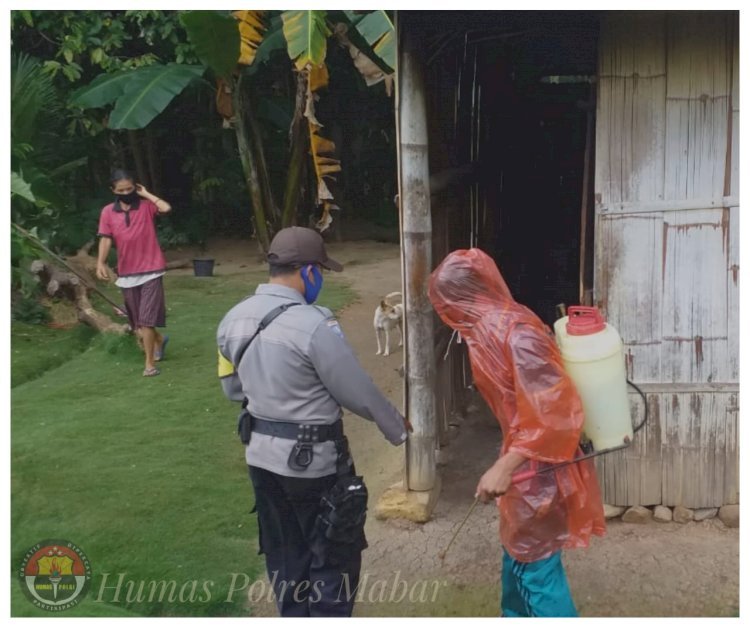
<point>307,578</point>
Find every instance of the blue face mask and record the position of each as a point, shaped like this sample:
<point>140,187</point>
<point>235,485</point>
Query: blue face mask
<point>312,288</point>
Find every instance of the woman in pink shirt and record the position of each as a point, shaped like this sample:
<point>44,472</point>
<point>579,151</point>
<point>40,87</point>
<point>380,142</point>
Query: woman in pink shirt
<point>129,224</point>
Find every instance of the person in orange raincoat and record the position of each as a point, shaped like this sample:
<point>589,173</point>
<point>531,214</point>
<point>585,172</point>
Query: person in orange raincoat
<point>518,369</point>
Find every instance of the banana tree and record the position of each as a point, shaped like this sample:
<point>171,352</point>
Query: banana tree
<point>234,45</point>
<point>305,35</point>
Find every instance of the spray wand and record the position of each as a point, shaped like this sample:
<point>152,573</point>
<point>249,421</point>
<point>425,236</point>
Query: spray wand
<point>442,554</point>
<point>525,475</point>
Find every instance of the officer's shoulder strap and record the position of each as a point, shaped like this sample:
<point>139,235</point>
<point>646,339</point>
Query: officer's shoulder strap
<point>265,322</point>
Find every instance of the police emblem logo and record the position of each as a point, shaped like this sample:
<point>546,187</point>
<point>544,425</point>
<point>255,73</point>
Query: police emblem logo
<point>55,575</point>
<point>334,326</point>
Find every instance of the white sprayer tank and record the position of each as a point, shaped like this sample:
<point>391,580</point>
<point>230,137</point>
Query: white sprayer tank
<point>593,357</point>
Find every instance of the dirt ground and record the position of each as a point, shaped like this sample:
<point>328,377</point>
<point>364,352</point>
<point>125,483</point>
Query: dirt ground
<point>635,570</point>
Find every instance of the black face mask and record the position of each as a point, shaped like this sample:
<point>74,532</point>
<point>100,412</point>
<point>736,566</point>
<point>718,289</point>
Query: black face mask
<point>129,198</point>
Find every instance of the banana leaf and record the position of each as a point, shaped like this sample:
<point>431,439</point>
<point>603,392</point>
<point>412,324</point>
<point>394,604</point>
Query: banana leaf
<point>378,31</point>
<point>251,28</point>
<point>104,89</point>
<point>149,93</point>
<point>69,167</point>
<point>306,33</point>
<point>372,33</point>
<point>216,39</point>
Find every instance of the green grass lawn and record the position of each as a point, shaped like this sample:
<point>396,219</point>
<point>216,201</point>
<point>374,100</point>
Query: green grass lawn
<point>146,475</point>
<point>60,345</point>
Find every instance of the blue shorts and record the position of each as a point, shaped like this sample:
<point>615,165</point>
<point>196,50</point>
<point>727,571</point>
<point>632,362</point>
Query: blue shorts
<point>538,589</point>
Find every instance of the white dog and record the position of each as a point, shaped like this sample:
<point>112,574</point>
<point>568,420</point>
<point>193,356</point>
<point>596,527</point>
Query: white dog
<point>389,315</point>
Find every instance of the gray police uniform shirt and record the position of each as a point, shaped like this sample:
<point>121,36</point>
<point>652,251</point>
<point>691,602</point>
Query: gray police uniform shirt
<point>301,369</point>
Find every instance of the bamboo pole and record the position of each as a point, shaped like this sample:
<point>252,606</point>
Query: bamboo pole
<point>416,237</point>
<point>397,106</point>
<point>583,265</point>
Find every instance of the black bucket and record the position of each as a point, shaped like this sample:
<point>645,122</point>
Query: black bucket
<point>203,267</point>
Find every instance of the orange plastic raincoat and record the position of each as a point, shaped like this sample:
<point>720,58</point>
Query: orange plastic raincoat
<point>518,369</point>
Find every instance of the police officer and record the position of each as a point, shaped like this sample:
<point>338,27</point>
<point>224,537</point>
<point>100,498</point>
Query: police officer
<point>289,363</point>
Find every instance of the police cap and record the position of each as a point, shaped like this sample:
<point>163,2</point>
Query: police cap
<point>297,246</point>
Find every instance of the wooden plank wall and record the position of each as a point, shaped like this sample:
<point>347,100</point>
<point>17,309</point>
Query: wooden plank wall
<point>694,288</point>
<point>698,86</point>
<point>667,259</point>
<point>733,169</point>
<point>699,449</point>
<point>632,92</point>
<point>627,476</point>
<point>630,251</point>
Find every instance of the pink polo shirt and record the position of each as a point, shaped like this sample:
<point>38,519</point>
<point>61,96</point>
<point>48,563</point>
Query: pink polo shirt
<point>134,235</point>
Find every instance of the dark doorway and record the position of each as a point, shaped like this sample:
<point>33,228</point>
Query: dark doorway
<point>523,110</point>
<point>538,127</point>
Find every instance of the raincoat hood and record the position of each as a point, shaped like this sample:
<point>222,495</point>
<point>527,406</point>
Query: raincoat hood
<point>466,286</point>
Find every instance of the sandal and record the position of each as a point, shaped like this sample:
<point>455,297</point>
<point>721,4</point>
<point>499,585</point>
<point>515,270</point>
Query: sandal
<point>153,371</point>
<point>159,355</point>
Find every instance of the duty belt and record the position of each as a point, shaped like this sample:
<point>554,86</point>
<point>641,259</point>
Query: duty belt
<point>306,434</point>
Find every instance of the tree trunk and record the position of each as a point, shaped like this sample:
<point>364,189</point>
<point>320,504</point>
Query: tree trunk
<point>154,165</point>
<point>273,215</point>
<point>84,264</point>
<point>86,248</point>
<point>64,284</point>
<point>298,138</point>
<point>140,162</point>
<point>249,168</point>
<point>416,229</point>
<point>116,153</point>
<point>294,180</point>
<point>87,314</point>
<point>312,193</point>
<point>340,192</point>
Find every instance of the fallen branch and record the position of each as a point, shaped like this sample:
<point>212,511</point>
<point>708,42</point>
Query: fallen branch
<point>180,263</point>
<point>59,283</point>
<point>82,259</point>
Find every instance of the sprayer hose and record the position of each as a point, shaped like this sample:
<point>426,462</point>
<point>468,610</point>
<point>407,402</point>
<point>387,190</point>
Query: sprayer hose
<point>645,406</point>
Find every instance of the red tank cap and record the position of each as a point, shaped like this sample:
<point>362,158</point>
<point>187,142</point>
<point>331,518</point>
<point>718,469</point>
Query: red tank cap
<point>584,320</point>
